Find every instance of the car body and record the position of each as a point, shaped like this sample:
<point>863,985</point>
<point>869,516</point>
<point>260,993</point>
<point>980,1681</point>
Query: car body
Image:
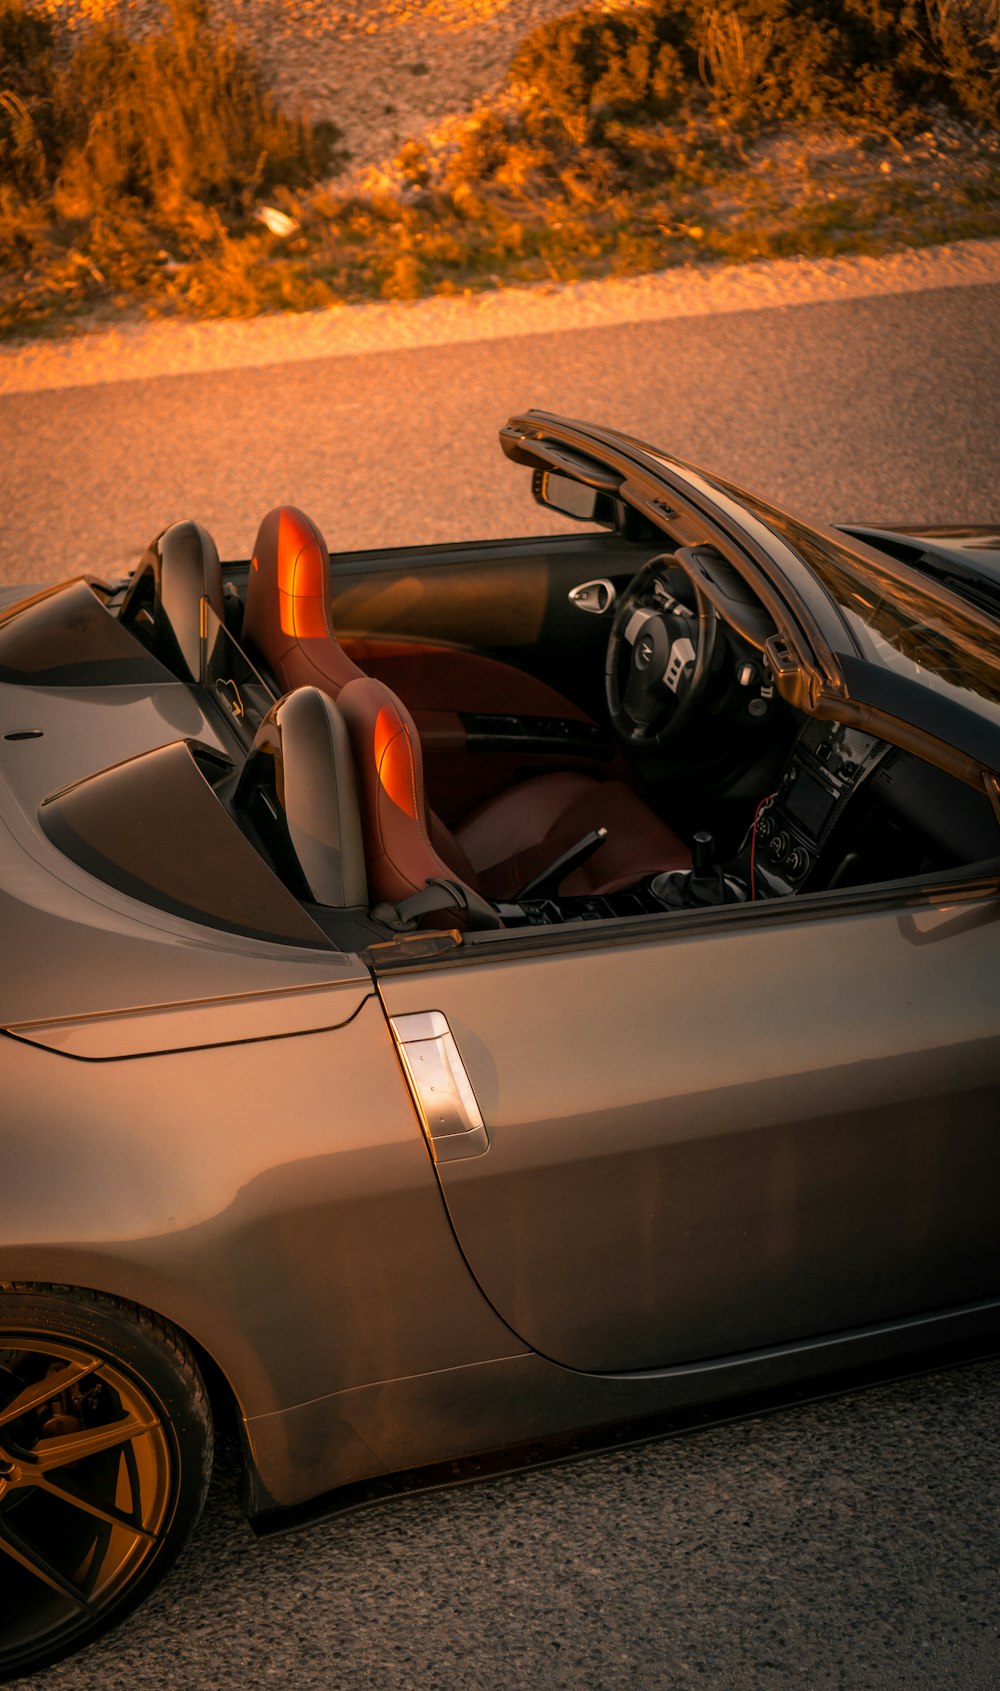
<point>408,1188</point>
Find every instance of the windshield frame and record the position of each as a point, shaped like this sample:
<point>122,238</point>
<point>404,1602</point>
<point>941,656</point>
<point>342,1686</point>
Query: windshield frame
<point>937,621</point>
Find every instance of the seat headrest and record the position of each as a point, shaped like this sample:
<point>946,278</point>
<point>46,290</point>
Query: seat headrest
<point>288,591</point>
<point>298,786</point>
<point>163,603</point>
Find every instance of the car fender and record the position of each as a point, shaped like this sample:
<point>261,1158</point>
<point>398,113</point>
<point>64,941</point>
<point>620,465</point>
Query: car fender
<point>274,1198</point>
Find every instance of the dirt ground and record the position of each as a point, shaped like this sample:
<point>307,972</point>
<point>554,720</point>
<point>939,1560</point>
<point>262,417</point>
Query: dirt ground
<point>385,71</point>
<point>391,71</point>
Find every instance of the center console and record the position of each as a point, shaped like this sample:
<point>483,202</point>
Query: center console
<point>828,765</point>
<point>595,907</point>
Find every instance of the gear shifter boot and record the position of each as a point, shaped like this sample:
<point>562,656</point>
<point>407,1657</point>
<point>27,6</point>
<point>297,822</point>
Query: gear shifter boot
<point>682,889</point>
<point>703,885</point>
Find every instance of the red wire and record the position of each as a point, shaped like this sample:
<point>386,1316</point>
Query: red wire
<point>753,843</point>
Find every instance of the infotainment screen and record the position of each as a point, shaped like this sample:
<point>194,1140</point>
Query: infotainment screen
<point>809,803</point>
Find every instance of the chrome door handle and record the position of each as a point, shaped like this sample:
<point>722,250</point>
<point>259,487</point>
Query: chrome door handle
<point>596,596</point>
<point>439,1085</point>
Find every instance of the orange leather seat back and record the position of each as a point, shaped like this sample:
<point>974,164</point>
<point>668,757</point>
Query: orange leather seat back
<point>399,856</point>
<point>288,614</point>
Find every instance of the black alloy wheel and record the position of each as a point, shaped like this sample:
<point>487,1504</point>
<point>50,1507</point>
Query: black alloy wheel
<point>105,1456</point>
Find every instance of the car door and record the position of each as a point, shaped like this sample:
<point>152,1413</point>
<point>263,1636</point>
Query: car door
<point>707,1134</point>
<point>504,603</point>
<point>502,671</point>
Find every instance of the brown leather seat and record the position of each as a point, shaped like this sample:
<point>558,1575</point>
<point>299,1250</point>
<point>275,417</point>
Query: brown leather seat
<point>400,859</point>
<point>511,836</point>
<point>520,832</point>
<point>287,615</point>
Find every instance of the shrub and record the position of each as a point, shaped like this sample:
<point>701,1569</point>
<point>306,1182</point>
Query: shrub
<point>182,115</point>
<point>732,61</point>
<point>28,116</point>
<point>753,63</point>
<point>129,166</point>
<point>965,35</point>
<point>580,71</point>
<point>605,108</point>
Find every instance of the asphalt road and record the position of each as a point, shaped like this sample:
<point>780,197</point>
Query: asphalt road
<point>886,408</point>
<point>852,1544</point>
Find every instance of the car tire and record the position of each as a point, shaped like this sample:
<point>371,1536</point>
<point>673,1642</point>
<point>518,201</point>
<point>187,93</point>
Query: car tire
<point>105,1457</point>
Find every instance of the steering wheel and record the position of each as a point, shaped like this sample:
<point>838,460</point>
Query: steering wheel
<point>659,656</point>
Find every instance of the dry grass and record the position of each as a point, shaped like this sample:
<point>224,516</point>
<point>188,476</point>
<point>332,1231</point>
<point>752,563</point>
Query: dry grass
<point>732,60</point>
<point>117,153</point>
<point>625,140</point>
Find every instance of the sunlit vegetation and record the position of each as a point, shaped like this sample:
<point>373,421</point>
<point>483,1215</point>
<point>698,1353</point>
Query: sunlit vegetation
<point>624,140</point>
<point>122,158</point>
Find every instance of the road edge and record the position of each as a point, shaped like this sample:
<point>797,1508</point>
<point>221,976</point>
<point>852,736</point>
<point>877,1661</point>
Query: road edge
<point>138,351</point>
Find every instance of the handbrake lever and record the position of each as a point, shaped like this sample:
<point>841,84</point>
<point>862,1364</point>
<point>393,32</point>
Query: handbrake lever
<point>546,883</point>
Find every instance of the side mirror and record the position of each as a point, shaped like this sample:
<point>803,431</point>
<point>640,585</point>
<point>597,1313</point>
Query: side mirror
<point>573,498</point>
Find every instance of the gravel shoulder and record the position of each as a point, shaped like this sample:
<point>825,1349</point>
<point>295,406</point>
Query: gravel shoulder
<point>139,350</point>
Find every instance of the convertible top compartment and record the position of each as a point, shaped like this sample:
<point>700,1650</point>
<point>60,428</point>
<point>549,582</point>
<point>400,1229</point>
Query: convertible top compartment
<point>66,637</point>
<point>132,826</point>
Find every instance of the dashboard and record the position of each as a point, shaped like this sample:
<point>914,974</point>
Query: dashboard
<point>850,809</point>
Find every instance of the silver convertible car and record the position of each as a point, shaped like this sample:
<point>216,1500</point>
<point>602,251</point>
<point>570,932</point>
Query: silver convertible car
<point>460,994</point>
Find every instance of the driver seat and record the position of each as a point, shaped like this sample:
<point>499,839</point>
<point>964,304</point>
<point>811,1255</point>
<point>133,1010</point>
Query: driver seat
<point>400,859</point>
<point>510,837</point>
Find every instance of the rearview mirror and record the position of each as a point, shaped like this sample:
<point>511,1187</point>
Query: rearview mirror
<point>573,498</point>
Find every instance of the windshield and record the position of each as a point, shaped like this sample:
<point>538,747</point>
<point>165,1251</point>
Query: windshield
<point>898,621</point>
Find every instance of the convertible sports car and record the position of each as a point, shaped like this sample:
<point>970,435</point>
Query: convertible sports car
<point>456,995</point>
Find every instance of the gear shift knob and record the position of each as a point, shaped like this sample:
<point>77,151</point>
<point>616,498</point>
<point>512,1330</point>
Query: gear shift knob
<point>703,854</point>
<point>701,885</point>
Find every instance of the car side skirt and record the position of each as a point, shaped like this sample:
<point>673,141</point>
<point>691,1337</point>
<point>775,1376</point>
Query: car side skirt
<point>395,1426</point>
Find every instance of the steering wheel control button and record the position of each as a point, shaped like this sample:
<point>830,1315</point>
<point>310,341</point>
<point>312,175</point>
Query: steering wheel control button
<point>681,657</point>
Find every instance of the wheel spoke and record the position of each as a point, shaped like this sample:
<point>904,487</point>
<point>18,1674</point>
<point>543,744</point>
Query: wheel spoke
<point>42,1391</point>
<point>636,623</point>
<point>106,1512</point>
<point>105,1438</point>
<point>22,1553</point>
<point>637,697</point>
<point>73,1447</point>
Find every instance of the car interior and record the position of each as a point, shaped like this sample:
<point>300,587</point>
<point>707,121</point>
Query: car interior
<point>505,734</point>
